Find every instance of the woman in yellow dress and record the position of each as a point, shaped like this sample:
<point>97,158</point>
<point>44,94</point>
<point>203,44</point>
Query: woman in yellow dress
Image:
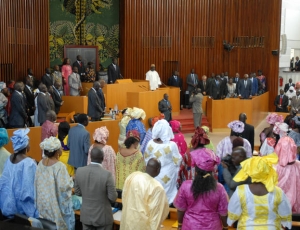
<point>63,131</point>
<point>129,159</point>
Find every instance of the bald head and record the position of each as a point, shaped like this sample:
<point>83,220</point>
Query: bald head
<point>243,117</point>
<point>51,115</point>
<point>153,167</point>
<point>97,155</point>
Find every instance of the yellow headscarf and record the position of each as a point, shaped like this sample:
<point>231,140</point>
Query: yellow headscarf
<point>260,169</point>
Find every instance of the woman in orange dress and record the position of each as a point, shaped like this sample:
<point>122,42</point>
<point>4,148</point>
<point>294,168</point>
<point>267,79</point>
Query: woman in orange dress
<point>66,71</point>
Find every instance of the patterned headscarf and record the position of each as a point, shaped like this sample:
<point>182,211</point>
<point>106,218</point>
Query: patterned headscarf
<point>3,137</point>
<point>236,126</point>
<point>138,113</point>
<point>267,146</point>
<point>133,133</point>
<point>272,118</point>
<point>260,169</point>
<point>204,159</point>
<point>101,134</point>
<point>175,125</point>
<point>286,149</point>
<point>199,137</point>
<point>20,140</point>
<point>50,144</point>
<point>280,128</point>
<point>162,130</point>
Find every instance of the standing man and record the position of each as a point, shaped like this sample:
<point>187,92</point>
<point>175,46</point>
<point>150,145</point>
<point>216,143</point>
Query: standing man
<point>94,104</point>
<point>49,128</point>
<point>57,76</point>
<point>204,86</point>
<point>30,75</point>
<point>236,81</point>
<point>80,67</point>
<point>47,78</point>
<point>43,104</point>
<point>295,103</point>
<point>153,78</point>
<point>28,91</point>
<point>281,102</point>
<point>97,188</point>
<point>196,101</point>
<point>176,81</point>
<point>254,81</point>
<point>215,91</point>
<point>113,72</point>
<point>288,85</point>
<point>18,116</point>
<point>101,95</point>
<point>245,88</point>
<point>165,107</point>
<point>75,83</point>
<point>56,96</point>
<point>144,196</point>
<point>297,64</point>
<point>192,82</point>
<point>79,142</point>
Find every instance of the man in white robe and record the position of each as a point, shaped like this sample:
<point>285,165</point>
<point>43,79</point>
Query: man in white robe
<point>153,78</point>
<point>290,93</point>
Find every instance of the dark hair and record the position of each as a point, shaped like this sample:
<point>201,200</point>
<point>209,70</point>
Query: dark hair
<point>49,154</point>
<point>65,61</point>
<point>19,152</point>
<point>63,130</point>
<point>82,118</point>
<point>130,141</point>
<point>202,185</point>
<point>237,142</point>
<point>236,134</point>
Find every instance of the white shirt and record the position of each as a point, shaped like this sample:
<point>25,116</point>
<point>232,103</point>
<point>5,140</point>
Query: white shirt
<point>95,163</point>
<point>154,79</point>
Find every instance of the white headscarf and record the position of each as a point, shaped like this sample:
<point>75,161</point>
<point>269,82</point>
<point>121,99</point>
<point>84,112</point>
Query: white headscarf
<point>162,130</point>
<point>50,144</point>
<point>138,113</point>
<point>291,94</point>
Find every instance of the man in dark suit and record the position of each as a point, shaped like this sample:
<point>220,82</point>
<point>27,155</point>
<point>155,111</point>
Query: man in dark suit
<point>97,188</point>
<point>79,142</point>
<point>35,82</point>
<point>218,88</point>
<point>248,132</point>
<point>56,96</point>
<point>204,86</point>
<point>281,102</point>
<point>47,79</point>
<point>101,96</point>
<point>29,96</point>
<point>176,81</point>
<point>297,64</point>
<point>18,115</point>
<point>94,104</point>
<point>288,85</point>
<point>254,81</point>
<point>236,81</point>
<point>113,72</point>
<point>165,107</point>
<point>245,88</point>
<point>80,66</point>
<point>43,104</point>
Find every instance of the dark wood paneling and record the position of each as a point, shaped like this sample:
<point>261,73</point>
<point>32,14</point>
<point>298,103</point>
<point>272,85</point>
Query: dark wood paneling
<point>192,33</point>
<point>24,38</point>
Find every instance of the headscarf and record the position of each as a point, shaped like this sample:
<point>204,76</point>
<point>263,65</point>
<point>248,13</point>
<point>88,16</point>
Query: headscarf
<point>154,120</point>
<point>236,126</point>
<point>296,119</point>
<point>205,128</point>
<point>20,140</point>
<point>133,133</point>
<point>286,149</point>
<point>280,128</point>
<point>199,137</point>
<point>128,112</point>
<point>272,118</point>
<point>260,169</point>
<point>267,147</point>
<point>204,159</point>
<point>50,144</point>
<point>3,137</point>
<point>101,134</point>
<point>175,125</point>
<point>138,113</point>
<point>162,130</point>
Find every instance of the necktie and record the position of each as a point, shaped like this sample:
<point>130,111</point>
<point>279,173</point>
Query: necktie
<point>280,101</point>
<point>245,82</point>
<point>193,78</point>
<point>204,84</point>
<point>80,63</point>
<point>175,78</point>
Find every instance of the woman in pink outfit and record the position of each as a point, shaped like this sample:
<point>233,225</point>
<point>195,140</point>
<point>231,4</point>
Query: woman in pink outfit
<point>288,170</point>
<point>66,71</point>
<point>178,137</point>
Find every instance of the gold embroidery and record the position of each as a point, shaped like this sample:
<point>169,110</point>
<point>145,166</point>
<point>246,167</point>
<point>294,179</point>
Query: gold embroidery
<point>167,150</point>
<point>165,179</point>
<point>150,148</point>
<point>146,155</point>
<point>157,154</point>
<point>175,160</point>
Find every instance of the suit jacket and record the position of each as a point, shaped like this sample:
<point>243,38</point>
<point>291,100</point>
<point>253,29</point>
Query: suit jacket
<point>97,188</point>
<point>18,113</point>
<point>217,91</point>
<point>190,82</point>
<point>175,83</point>
<point>196,101</point>
<point>245,92</point>
<point>81,69</point>
<point>94,104</point>
<point>74,84</point>
<point>295,104</point>
<point>248,134</point>
<point>284,104</point>
<point>29,100</point>
<point>163,107</point>
<point>113,73</point>
<point>204,88</point>
<point>254,86</point>
<point>79,144</point>
<point>102,99</point>
<point>287,86</point>
<point>297,65</point>
<point>47,80</point>
<point>56,99</point>
<point>43,106</point>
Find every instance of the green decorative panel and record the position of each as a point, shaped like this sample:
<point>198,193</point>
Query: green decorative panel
<point>84,22</point>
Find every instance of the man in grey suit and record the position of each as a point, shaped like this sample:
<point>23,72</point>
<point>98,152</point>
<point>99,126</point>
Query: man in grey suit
<point>97,188</point>
<point>43,103</point>
<point>75,83</point>
<point>196,101</point>
<point>165,107</point>
<point>295,103</point>
<point>79,142</point>
<point>245,88</point>
<point>18,115</point>
<point>192,81</point>
<point>94,104</point>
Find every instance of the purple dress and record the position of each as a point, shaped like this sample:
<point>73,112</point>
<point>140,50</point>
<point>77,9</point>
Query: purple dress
<point>203,213</point>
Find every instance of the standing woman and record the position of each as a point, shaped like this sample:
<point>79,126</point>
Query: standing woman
<point>137,115</point>
<point>4,154</point>
<point>202,202</point>
<point>122,126</point>
<point>178,137</point>
<point>66,71</point>
<point>53,187</point>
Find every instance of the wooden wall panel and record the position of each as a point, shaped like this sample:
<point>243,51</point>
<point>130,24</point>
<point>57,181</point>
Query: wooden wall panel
<point>144,25</point>
<point>24,40</point>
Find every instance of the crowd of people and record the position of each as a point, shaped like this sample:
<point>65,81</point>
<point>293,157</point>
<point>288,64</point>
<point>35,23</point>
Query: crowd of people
<point>151,171</point>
